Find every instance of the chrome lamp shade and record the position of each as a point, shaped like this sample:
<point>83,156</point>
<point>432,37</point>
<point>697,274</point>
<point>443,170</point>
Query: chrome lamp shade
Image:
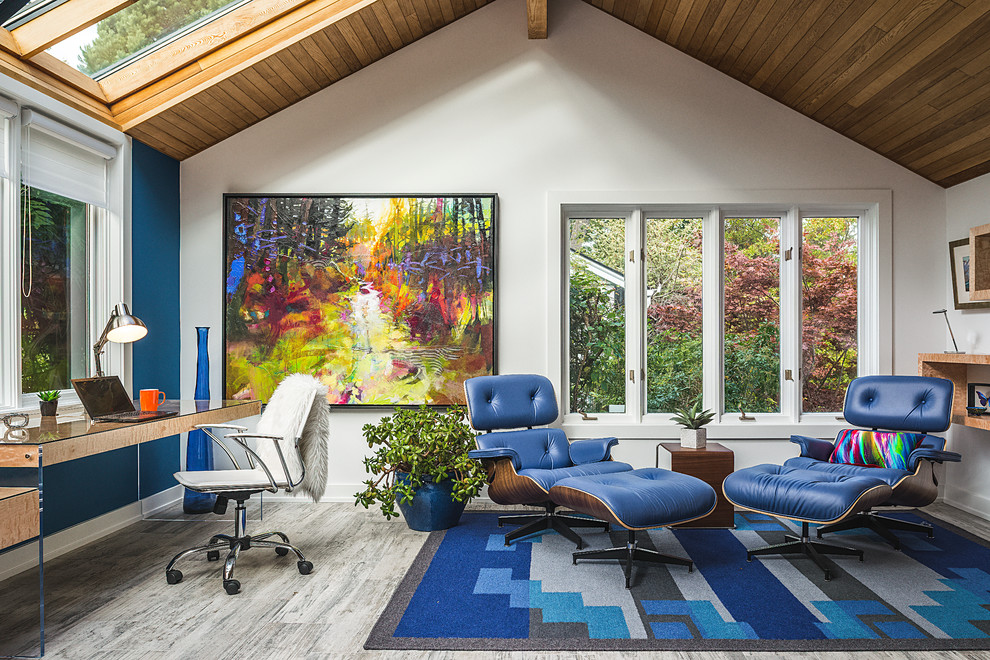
<point>122,328</point>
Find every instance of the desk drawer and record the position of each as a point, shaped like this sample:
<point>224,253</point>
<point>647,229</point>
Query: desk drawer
<point>18,515</point>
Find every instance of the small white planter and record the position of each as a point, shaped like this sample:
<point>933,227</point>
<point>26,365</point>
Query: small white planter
<point>694,438</point>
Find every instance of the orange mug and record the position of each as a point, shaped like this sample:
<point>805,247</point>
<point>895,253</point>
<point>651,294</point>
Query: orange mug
<point>151,399</point>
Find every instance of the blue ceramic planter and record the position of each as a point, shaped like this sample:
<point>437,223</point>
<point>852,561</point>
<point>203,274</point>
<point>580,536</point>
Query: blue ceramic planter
<point>432,507</point>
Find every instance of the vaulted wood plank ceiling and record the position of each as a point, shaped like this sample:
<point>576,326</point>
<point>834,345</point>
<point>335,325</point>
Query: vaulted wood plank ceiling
<point>909,79</point>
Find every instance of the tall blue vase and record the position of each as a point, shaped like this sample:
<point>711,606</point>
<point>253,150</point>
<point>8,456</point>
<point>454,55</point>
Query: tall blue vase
<point>199,446</point>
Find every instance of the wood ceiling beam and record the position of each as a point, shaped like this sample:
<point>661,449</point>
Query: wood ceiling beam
<point>536,18</point>
<point>63,21</point>
<point>33,77</point>
<point>233,58</point>
<point>69,75</point>
<point>201,42</point>
<point>8,44</point>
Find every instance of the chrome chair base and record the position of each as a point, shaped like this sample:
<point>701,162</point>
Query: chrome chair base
<point>234,545</point>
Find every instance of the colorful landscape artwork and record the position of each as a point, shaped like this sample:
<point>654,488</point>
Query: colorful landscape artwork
<point>388,300</point>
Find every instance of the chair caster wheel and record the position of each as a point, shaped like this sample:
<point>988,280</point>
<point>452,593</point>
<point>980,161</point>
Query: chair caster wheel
<point>231,587</point>
<point>305,567</point>
<point>281,552</point>
<point>213,555</point>
<point>173,576</point>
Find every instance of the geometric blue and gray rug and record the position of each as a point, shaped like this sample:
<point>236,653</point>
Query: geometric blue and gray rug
<point>467,591</point>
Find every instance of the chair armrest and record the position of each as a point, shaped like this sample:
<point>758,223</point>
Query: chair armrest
<point>934,455</point>
<point>230,427</point>
<point>208,430</point>
<point>594,450</point>
<point>497,452</point>
<point>239,438</point>
<point>819,450</point>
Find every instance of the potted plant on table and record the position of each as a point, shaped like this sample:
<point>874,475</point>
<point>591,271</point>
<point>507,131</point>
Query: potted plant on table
<point>693,419</point>
<point>421,463</point>
<point>49,402</point>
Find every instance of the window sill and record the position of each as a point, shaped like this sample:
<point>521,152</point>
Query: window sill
<point>732,429</point>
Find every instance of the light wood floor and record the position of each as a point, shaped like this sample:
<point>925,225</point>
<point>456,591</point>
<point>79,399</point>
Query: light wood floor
<point>109,600</point>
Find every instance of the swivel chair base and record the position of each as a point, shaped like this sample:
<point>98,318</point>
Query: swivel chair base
<point>805,545</point>
<point>630,553</point>
<point>235,544</point>
<point>549,520</point>
<point>879,524</point>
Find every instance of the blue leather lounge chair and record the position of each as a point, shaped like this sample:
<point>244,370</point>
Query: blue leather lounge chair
<point>524,462</point>
<point>911,404</point>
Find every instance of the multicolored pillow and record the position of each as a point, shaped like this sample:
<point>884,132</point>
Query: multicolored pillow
<point>888,449</point>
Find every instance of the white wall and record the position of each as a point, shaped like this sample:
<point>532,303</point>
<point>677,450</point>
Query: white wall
<point>967,486</point>
<point>597,106</point>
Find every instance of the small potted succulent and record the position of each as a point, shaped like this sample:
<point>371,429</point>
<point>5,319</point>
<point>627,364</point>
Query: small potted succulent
<point>49,402</point>
<point>693,419</point>
<point>421,464</point>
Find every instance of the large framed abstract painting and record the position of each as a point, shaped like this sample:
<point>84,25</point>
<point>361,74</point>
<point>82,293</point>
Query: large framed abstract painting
<point>388,300</point>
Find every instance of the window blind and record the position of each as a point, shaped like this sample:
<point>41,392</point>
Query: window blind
<point>63,160</point>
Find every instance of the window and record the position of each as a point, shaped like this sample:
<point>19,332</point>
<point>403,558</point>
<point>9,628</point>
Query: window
<point>749,308</point>
<point>54,290</point>
<point>63,228</point>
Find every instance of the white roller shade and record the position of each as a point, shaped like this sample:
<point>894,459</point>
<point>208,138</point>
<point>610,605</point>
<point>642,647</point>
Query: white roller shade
<point>7,110</point>
<point>65,161</point>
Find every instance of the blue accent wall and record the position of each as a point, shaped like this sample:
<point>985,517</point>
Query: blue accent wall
<point>155,298</point>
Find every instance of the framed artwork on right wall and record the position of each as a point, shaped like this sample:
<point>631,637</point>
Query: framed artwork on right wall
<point>959,264</point>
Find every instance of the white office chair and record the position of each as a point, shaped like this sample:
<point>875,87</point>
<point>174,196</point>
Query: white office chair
<point>292,431</point>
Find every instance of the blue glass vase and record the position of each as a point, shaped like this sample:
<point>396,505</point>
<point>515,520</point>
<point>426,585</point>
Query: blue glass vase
<point>199,446</point>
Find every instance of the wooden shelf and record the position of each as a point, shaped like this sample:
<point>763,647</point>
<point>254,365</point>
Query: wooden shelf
<point>955,367</point>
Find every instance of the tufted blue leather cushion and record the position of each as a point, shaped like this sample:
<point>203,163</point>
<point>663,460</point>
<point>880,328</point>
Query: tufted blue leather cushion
<point>889,476</point>
<point>543,448</point>
<point>811,495</point>
<point>547,478</point>
<point>899,403</point>
<point>648,497</point>
<point>511,401</point>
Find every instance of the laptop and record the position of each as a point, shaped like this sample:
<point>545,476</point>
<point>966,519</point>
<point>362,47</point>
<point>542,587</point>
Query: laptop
<point>105,400</point>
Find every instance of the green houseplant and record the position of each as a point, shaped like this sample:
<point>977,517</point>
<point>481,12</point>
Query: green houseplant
<point>693,419</point>
<point>49,402</point>
<point>421,463</point>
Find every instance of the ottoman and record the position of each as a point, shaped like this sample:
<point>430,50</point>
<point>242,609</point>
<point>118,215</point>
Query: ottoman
<point>805,496</point>
<point>637,500</point>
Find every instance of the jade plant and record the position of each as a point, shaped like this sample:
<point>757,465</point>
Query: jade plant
<point>693,417</point>
<point>427,444</point>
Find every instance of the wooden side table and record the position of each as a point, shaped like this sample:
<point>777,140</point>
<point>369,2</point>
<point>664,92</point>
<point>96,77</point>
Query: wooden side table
<point>712,465</point>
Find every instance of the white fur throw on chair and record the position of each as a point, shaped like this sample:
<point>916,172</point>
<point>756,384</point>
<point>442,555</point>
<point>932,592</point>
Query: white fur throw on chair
<point>298,407</point>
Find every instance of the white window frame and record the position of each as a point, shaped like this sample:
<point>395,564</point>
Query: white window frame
<point>875,354</point>
<point>111,247</point>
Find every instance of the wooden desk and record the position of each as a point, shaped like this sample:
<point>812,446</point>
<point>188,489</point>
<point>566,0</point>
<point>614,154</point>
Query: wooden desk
<point>50,442</point>
<point>712,464</point>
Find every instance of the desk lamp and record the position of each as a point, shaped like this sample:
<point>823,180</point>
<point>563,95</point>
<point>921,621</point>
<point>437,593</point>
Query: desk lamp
<point>122,328</point>
<point>954,345</point>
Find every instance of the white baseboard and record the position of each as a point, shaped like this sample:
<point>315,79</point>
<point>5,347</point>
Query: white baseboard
<point>338,493</point>
<point>26,556</point>
<point>974,503</point>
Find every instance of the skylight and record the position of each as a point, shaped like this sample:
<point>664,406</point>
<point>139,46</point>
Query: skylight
<point>30,10</point>
<point>135,31</point>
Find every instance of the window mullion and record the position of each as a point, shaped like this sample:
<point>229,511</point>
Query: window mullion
<point>712,313</point>
<point>635,318</point>
<point>790,314</point>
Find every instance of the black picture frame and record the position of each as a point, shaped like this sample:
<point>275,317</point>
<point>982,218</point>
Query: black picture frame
<point>490,264</point>
<point>971,388</point>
